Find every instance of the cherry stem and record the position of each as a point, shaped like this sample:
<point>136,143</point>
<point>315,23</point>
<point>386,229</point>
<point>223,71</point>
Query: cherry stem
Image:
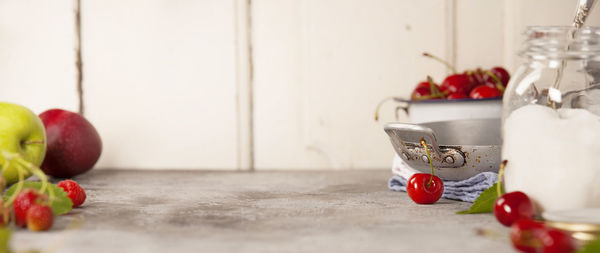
<point>448,65</point>
<point>428,158</point>
<point>500,175</point>
<point>427,97</point>
<point>34,142</point>
<point>379,106</point>
<point>435,92</point>
<point>499,84</point>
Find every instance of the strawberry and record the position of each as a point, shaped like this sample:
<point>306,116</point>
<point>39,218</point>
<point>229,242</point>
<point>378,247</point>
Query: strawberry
<point>74,191</point>
<point>23,202</point>
<point>39,217</point>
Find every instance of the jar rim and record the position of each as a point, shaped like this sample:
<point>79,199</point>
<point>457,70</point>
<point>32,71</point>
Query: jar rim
<point>561,42</point>
<point>557,28</point>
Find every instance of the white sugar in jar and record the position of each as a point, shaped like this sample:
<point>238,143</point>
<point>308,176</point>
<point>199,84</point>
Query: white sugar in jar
<point>554,156</point>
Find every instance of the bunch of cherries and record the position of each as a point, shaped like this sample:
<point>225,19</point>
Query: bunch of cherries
<point>512,209</point>
<point>515,209</point>
<point>475,84</point>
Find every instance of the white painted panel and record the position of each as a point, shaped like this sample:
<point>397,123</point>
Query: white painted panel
<point>160,82</point>
<point>523,13</point>
<point>37,60</point>
<point>479,34</point>
<point>322,66</point>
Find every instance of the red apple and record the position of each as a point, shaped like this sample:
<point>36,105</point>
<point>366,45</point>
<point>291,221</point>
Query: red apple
<point>74,145</point>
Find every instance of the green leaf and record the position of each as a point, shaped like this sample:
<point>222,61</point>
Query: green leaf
<point>485,202</point>
<point>61,204</point>
<point>592,247</point>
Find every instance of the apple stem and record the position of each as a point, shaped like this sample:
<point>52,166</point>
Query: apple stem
<point>34,142</point>
<point>379,106</point>
<point>500,175</point>
<point>428,158</point>
<point>448,65</point>
<point>499,84</point>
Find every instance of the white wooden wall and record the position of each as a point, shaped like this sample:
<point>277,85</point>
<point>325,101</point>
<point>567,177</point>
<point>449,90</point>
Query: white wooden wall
<point>271,84</point>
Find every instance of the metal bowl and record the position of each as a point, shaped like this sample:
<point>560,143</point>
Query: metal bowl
<point>443,109</point>
<point>461,148</point>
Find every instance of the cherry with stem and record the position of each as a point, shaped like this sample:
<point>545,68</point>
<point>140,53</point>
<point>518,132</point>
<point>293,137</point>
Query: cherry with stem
<point>447,64</point>
<point>424,144</point>
<point>379,106</point>
<point>425,188</point>
<point>513,206</point>
<point>499,84</point>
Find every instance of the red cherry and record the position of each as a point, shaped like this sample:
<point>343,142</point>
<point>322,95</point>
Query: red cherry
<point>421,191</point>
<point>512,207</point>
<point>423,91</point>
<point>525,235</point>
<point>456,83</point>
<point>457,96</point>
<point>500,73</point>
<point>420,93</point>
<point>557,241</point>
<point>484,91</point>
<point>491,84</point>
<point>423,84</point>
<point>477,77</point>
<point>534,237</point>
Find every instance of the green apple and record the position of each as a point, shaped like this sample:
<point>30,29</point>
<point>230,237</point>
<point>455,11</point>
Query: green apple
<point>22,133</point>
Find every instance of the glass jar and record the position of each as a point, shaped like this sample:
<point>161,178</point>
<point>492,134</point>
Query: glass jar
<point>551,119</point>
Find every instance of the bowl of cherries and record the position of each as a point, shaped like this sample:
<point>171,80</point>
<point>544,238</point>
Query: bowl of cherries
<point>472,94</point>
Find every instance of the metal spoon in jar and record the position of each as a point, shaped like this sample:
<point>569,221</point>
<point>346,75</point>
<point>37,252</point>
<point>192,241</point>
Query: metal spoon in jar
<point>584,7</point>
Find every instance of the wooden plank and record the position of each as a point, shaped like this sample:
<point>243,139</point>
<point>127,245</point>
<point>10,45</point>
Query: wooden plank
<point>244,85</point>
<point>321,67</point>
<point>37,60</point>
<point>160,82</point>
<point>479,34</point>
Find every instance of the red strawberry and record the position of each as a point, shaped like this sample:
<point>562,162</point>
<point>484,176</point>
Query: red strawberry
<point>24,200</point>
<point>39,217</point>
<point>74,191</point>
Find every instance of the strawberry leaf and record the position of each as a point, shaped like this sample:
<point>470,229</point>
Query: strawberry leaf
<point>61,204</point>
<point>593,246</point>
<point>485,202</point>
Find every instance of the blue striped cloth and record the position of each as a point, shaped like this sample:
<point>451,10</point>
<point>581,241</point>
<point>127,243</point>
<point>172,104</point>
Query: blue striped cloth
<point>465,190</point>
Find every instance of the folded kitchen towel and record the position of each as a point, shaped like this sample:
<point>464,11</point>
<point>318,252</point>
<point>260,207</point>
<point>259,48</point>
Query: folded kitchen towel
<point>464,190</point>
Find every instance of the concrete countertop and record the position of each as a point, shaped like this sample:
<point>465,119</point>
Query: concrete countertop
<point>298,211</point>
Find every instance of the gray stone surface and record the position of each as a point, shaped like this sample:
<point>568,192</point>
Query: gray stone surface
<point>302,211</point>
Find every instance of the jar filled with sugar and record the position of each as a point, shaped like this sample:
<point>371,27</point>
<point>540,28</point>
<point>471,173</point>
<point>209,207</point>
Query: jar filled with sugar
<point>551,119</point>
